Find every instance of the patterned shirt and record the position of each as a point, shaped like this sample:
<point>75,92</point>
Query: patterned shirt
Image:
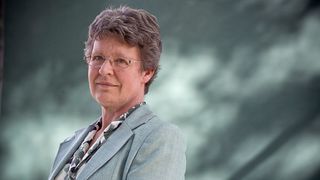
<point>83,154</point>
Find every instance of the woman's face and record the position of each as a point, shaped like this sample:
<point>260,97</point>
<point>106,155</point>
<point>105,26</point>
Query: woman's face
<point>117,89</point>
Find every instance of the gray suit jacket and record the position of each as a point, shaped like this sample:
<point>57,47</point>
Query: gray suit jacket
<point>142,148</point>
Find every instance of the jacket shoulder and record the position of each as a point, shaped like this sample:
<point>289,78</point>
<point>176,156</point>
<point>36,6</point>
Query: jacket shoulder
<point>158,147</point>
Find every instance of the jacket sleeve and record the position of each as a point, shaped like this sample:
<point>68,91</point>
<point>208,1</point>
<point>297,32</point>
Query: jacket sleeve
<point>161,156</point>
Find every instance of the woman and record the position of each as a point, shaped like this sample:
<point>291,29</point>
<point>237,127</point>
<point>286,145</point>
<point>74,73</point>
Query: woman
<point>128,141</point>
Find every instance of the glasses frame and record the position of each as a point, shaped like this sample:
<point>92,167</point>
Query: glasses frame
<point>111,60</point>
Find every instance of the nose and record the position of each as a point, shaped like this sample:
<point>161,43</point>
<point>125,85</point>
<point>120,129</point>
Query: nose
<point>106,68</point>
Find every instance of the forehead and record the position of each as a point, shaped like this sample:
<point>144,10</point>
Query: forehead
<point>113,44</point>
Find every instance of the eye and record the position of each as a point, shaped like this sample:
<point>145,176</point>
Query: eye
<point>122,62</point>
<point>97,58</point>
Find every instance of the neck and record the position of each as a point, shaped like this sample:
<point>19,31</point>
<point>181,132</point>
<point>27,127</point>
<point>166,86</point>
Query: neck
<point>110,114</point>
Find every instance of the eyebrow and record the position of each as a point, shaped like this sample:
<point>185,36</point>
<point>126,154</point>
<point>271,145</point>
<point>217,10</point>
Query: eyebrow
<point>119,54</point>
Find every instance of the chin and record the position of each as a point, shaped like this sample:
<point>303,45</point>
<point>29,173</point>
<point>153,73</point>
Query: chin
<point>103,99</point>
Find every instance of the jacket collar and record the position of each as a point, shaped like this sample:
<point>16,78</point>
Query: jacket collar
<point>116,140</point>
<point>108,149</point>
<point>139,117</point>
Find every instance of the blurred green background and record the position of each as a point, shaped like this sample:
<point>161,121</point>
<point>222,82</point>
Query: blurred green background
<point>240,78</point>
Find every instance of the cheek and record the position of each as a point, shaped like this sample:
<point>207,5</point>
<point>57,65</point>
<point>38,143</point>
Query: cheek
<point>131,83</point>
<point>91,77</point>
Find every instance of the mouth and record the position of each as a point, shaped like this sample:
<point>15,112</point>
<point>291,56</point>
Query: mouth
<point>106,84</point>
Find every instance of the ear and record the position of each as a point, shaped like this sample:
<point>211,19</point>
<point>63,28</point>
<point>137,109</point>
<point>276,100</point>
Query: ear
<point>147,75</point>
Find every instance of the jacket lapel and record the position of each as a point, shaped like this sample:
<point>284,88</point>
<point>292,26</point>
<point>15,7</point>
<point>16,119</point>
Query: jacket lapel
<point>66,150</point>
<point>116,141</point>
<point>107,151</point>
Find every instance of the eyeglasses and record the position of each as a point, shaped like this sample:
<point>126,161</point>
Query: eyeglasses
<point>97,61</point>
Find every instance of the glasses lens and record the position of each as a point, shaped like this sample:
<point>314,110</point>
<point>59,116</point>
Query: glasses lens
<point>121,62</point>
<point>96,61</point>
